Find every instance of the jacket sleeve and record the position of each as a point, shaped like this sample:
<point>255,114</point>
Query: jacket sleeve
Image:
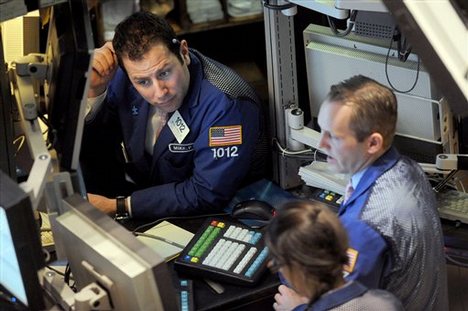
<point>368,253</point>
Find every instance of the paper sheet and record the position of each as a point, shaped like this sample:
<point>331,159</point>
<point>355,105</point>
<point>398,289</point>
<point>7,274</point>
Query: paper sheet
<point>172,239</point>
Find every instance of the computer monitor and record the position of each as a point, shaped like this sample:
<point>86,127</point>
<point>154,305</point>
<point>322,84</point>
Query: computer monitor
<point>102,251</point>
<point>21,256</point>
<point>331,59</point>
<point>7,163</point>
<point>68,54</point>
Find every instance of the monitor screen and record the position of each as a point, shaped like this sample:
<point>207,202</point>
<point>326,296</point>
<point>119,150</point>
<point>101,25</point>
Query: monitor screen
<point>100,250</point>
<point>21,256</point>
<point>68,53</point>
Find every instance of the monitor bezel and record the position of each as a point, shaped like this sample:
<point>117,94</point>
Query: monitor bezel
<point>24,232</point>
<point>85,232</point>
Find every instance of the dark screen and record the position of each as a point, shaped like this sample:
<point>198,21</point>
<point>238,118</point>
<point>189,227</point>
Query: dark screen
<point>6,120</point>
<point>68,50</point>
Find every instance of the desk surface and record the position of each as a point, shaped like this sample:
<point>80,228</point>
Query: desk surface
<point>258,297</point>
<point>234,297</point>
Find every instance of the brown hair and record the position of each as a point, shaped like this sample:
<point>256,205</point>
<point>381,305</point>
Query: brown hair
<point>309,240</point>
<point>374,107</point>
<point>139,32</point>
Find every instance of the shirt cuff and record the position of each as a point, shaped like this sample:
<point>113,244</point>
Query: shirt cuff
<point>129,206</point>
<point>93,105</point>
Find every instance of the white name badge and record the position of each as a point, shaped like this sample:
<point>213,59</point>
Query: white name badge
<point>178,126</point>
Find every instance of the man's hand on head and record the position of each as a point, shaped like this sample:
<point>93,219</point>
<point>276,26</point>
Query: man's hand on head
<point>105,65</point>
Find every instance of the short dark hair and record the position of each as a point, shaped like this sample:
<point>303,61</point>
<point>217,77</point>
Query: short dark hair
<point>139,32</point>
<point>374,107</point>
<point>308,237</point>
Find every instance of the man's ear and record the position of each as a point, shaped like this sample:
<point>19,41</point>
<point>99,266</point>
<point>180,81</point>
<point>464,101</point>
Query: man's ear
<point>184,50</point>
<point>375,143</point>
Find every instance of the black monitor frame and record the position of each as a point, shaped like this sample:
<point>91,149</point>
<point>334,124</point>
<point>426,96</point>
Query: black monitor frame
<point>68,54</point>
<point>15,206</point>
<point>7,163</point>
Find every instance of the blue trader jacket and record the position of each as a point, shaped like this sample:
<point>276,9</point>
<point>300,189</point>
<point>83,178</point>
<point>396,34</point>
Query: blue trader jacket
<point>396,240</point>
<point>224,149</point>
<point>395,235</point>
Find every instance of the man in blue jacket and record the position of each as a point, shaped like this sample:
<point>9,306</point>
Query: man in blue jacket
<point>395,234</point>
<point>170,132</point>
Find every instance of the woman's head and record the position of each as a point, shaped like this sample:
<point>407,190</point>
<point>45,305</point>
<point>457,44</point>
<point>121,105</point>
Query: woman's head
<point>308,245</point>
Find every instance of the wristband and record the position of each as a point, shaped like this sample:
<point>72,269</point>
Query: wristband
<point>121,211</point>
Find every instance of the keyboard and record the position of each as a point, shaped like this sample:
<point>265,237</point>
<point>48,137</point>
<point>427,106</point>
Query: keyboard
<point>331,199</point>
<point>453,205</point>
<point>186,298</point>
<point>225,251</point>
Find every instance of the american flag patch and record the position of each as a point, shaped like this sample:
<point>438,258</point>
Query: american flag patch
<point>225,135</point>
<point>352,258</point>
